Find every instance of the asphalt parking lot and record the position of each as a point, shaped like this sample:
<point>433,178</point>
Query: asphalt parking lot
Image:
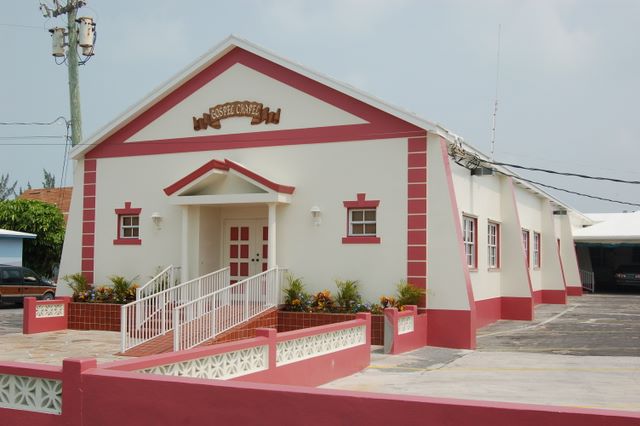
<point>594,324</point>
<point>583,354</point>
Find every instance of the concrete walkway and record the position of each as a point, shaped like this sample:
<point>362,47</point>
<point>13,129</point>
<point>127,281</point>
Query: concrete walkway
<point>534,378</point>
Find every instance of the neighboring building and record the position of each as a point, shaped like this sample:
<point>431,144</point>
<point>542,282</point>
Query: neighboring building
<point>248,160</point>
<point>11,246</point>
<point>59,197</point>
<point>613,241</point>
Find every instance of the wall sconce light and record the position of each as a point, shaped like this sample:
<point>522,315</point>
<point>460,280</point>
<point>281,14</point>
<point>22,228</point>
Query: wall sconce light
<point>315,214</point>
<point>157,219</point>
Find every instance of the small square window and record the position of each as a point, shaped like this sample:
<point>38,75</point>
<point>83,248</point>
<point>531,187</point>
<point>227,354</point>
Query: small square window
<point>129,226</point>
<point>362,222</point>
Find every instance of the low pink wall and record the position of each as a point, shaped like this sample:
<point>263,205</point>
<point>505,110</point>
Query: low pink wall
<point>31,324</point>
<point>94,396</point>
<point>148,399</point>
<point>396,343</point>
<point>309,372</point>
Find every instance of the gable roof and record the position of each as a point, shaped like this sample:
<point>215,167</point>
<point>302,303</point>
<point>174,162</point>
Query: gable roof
<point>232,42</point>
<point>611,227</point>
<point>225,166</point>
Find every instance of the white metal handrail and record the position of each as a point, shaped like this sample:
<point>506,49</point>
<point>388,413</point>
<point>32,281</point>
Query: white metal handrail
<point>152,316</point>
<point>588,280</point>
<point>205,318</point>
<point>167,278</point>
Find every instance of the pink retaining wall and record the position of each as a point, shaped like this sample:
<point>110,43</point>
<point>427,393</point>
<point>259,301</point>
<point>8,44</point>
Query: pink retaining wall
<point>97,396</point>
<point>309,372</point>
<point>31,324</point>
<point>396,343</point>
<point>135,399</point>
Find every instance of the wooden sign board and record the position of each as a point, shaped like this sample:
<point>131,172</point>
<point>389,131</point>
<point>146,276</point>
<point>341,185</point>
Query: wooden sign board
<point>255,110</point>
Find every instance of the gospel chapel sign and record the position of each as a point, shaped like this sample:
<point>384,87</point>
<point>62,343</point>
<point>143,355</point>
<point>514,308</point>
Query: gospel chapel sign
<point>255,110</point>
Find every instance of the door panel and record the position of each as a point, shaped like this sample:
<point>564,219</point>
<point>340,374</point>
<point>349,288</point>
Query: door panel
<point>246,247</point>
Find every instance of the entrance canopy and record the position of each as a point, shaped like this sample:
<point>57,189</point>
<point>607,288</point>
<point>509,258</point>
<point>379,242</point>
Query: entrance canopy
<point>226,182</point>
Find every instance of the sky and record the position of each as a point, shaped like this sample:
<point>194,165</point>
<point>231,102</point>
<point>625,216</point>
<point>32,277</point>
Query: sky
<point>568,76</point>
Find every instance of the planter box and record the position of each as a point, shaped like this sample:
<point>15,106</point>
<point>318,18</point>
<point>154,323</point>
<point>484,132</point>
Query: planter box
<point>289,321</point>
<point>94,316</point>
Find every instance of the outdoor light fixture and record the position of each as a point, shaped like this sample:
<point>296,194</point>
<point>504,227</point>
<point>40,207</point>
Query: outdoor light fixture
<point>157,219</point>
<point>315,214</point>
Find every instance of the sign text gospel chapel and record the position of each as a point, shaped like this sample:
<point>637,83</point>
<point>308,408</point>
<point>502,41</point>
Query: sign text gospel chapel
<point>255,110</point>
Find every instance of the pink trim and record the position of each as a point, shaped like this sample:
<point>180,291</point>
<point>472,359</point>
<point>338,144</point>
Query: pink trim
<point>454,209</point>
<point>127,242</point>
<point>360,203</point>
<point>557,297</point>
<point>284,189</point>
<point>574,291</point>
<point>417,213</point>
<point>200,171</point>
<point>88,218</point>
<point>226,165</point>
<point>379,125</point>
<point>360,240</point>
<point>31,324</point>
<point>128,210</point>
<point>517,308</point>
<point>507,308</point>
<point>451,328</point>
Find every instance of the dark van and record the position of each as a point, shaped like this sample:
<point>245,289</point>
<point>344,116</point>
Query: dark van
<point>17,282</point>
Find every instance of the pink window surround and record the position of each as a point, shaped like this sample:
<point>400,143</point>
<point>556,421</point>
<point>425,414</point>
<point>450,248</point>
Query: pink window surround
<point>126,211</point>
<point>360,203</point>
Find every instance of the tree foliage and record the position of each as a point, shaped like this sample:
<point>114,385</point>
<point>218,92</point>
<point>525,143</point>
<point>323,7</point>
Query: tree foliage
<point>7,189</point>
<point>49,181</point>
<point>41,254</point>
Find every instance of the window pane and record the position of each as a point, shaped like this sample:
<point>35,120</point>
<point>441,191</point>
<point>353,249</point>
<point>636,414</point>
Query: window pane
<point>134,232</point>
<point>357,229</point>
<point>126,220</point>
<point>135,220</point>
<point>126,232</point>
<point>370,215</point>
<point>370,228</point>
<point>356,215</point>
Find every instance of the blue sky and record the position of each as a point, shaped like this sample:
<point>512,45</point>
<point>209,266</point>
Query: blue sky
<point>568,89</point>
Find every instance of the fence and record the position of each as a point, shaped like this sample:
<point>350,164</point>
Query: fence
<point>165,279</point>
<point>152,316</point>
<point>588,281</point>
<point>205,317</point>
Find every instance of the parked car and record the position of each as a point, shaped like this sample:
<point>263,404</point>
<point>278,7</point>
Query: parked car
<point>627,275</point>
<point>17,282</point>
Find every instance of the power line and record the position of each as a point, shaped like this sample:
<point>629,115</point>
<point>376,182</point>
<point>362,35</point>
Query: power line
<point>33,123</point>
<point>31,137</point>
<point>536,169</point>
<point>595,197</point>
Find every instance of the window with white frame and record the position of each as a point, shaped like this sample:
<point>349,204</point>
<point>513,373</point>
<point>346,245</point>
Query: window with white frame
<point>525,244</point>
<point>536,250</point>
<point>129,226</point>
<point>469,237</point>
<point>362,222</point>
<point>493,245</point>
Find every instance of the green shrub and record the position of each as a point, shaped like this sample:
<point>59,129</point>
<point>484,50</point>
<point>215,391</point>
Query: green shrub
<point>124,290</point>
<point>348,296</point>
<point>296,298</point>
<point>408,294</point>
<point>79,285</point>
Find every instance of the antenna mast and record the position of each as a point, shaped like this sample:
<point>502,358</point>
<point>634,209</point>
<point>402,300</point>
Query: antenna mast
<point>495,104</point>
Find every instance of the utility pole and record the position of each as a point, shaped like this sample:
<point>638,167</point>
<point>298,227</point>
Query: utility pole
<point>83,37</point>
